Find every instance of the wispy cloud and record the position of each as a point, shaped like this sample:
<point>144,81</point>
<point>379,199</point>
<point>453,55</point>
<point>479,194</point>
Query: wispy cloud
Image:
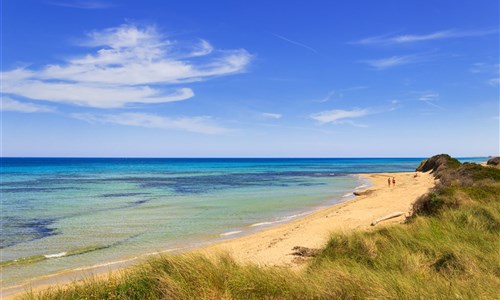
<point>488,69</point>
<point>494,81</point>
<point>328,97</point>
<point>485,68</point>
<point>342,116</point>
<point>9,104</point>
<point>295,43</point>
<point>340,93</point>
<point>336,115</point>
<point>271,115</point>
<point>132,65</point>
<point>430,98</point>
<point>199,124</point>
<point>83,4</point>
<point>393,61</point>
<point>413,38</point>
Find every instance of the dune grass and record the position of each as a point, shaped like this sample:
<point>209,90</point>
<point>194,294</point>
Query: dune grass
<point>449,249</point>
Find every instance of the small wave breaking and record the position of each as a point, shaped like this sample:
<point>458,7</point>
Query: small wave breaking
<point>231,233</point>
<point>282,220</point>
<point>60,254</point>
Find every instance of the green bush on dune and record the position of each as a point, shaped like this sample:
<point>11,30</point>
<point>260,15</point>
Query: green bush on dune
<point>448,249</point>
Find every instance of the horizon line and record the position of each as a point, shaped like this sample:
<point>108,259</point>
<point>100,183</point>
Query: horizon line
<point>240,157</point>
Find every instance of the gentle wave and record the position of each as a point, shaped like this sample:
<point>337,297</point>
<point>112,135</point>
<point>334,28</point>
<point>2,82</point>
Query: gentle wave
<point>61,254</point>
<point>282,220</point>
<point>126,260</point>
<point>262,224</point>
<point>231,233</point>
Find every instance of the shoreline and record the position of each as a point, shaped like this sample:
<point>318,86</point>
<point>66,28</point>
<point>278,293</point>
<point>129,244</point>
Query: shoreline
<point>272,246</point>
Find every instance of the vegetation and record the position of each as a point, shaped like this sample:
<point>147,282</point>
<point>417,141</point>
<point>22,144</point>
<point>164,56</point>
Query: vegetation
<point>448,249</point>
<point>494,161</point>
<point>39,258</point>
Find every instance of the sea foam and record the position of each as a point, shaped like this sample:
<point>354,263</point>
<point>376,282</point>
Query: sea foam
<point>60,254</point>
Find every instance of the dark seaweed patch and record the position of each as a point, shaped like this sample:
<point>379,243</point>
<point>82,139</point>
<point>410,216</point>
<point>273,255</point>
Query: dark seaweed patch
<point>122,194</point>
<point>16,230</point>
<point>34,189</point>
<point>213,182</point>
<point>311,184</point>
<point>139,202</point>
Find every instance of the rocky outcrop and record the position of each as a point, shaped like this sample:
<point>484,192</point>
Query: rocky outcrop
<point>494,161</point>
<point>437,164</point>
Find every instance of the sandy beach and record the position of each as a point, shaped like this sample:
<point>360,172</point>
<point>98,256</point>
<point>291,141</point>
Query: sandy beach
<point>273,246</point>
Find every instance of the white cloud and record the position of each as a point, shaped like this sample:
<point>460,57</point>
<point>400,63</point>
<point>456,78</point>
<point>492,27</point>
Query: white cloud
<point>95,95</point>
<point>9,104</point>
<point>413,38</point>
<point>430,96</point>
<point>336,115</point>
<point>393,61</point>
<point>271,115</point>
<point>199,124</point>
<point>131,65</point>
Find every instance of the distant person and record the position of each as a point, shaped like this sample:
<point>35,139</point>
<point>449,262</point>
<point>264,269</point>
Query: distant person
<point>393,181</point>
<point>389,181</point>
<point>416,175</point>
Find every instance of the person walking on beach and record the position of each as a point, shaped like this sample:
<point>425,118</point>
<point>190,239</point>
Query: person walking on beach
<point>393,182</point>
<point>389,181</point>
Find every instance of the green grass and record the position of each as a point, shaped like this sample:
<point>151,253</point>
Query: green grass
<point>449,249</point>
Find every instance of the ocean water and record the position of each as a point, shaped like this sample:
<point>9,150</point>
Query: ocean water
<point>66,213</point>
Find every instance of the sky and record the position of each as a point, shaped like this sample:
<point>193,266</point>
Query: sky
<point>152,78</point>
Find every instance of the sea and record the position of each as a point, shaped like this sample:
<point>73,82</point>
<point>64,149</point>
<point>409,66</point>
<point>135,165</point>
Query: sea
<point>69,213</point>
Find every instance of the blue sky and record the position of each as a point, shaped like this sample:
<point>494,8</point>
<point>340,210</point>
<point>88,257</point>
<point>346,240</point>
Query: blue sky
<point>250,78</point>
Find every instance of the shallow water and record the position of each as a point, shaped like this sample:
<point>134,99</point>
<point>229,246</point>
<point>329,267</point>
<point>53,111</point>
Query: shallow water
<point>61,213</point>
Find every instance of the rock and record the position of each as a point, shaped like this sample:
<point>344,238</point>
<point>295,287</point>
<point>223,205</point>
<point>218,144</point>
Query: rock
<point>495,161</point>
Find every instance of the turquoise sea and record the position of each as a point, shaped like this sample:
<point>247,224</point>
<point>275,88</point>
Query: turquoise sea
<point>66,213</point>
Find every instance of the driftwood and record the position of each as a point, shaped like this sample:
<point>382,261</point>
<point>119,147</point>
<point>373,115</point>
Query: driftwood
<point>387,217</point>
<point>363,193</point>
<point>304,251</point>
